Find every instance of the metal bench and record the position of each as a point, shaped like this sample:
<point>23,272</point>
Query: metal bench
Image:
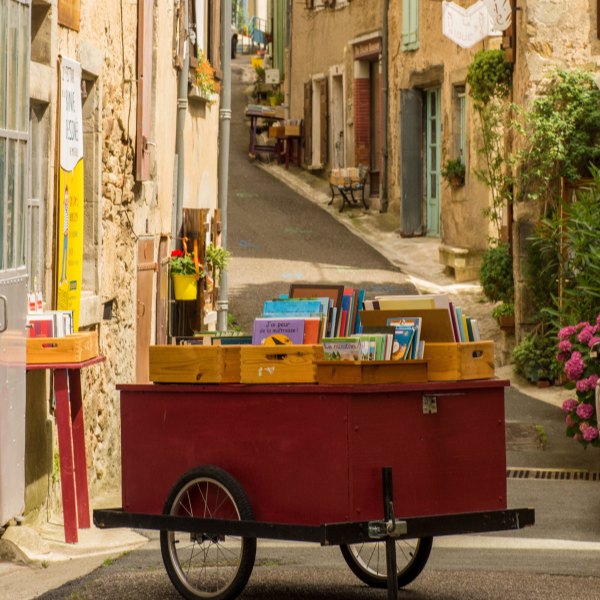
<point>347,182</point>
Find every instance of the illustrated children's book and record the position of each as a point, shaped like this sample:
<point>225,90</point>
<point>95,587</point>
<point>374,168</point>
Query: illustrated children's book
<point>265,328</point>
<point>341,348</point>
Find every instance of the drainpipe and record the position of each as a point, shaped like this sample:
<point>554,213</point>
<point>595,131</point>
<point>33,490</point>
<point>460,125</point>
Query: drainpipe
<point>288,73</point>
<point>224,128</point>
<point>182,102</point>
<point>384,110</point>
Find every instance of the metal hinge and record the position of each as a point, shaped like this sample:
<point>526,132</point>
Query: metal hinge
<point>379,530</point>
<point>148,267</point>
<point>429,405</point>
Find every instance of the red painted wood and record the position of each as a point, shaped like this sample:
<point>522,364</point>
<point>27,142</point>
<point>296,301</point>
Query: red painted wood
<point>81,365</point>
<point>67,481</point>
<point>450,462</point>
<point>78,432</point>
<point>287,450</point>
<point>298,454</point>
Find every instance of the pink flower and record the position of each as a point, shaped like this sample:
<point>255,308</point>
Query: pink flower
<point>598,321</point>
<point>570,405</point>
<point>585,385</point>
<point>582,324</point>
<point>590,434</point>
<point>567,331</point>
<point>583,426</point>
<point>562,356</point>
<point>569,422</point>
<point>584,411</point>
<point>593,341</point>
<point>574,366</point>
<point>565,346</point>
<point>577,437</point>
<point>585,335</point>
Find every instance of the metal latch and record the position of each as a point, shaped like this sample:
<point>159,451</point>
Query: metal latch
<point>378,530</point>
<point>429,405</point>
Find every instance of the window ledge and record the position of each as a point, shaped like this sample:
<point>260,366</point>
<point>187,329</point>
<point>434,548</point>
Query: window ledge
<point>195,93</point>
<point>411,46</point>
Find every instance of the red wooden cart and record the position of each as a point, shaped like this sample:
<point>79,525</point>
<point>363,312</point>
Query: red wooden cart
<point>216,467</point>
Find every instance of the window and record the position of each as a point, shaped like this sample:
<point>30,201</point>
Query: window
<point>199,26</point>
<point>410,24</point>
<point>205,33</point>
<point>459,123</point>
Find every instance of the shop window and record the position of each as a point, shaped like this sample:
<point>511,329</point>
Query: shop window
<point>410,24</point>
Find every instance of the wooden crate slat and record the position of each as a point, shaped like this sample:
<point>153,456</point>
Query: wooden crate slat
<point>70,349</point>
<point>455,362</point>
<point>262,365</point>
<point>345,372</point>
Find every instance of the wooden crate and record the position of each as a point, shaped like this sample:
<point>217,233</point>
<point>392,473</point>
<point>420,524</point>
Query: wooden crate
<point>277,132</point>
<point>292,130</point>
<point>279,364</point>
<point>460,362</point>
<point>75,348</point>
<point>377,372</point>
<point>195,364</point>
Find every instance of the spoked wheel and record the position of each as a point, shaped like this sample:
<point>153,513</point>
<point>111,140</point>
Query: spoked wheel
<point>367,561</point>
<point>203,565</point>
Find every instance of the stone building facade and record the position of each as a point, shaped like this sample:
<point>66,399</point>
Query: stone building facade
<point>129,67</point>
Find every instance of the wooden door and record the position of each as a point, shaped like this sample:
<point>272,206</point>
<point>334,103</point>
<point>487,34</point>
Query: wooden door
<point>146,268</point>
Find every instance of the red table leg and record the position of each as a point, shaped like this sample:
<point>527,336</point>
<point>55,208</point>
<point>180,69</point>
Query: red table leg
<point>67,481</point>
<point>83,502</point>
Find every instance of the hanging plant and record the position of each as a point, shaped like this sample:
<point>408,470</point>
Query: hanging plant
<point>217,258</point>
<point>183,271</point>
<point>454,172</point>
<point>204,78</point>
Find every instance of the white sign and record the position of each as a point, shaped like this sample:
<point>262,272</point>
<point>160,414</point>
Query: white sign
<point>465,27</point>
<point>500,12</point>
<point>272,76</point>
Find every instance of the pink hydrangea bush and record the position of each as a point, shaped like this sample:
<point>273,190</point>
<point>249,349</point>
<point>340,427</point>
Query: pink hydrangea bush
<point>575,343</point>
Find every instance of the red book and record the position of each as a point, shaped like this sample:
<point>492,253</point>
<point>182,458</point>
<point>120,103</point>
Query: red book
<point>312,329</point>
<point>343,323</point>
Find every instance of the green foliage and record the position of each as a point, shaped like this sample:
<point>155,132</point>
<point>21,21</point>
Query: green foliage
<point>561,131</point>
<point>580,273</point>
<point>184,265</point>
<point>56,467</point>
<point>489,76</point>
<point>537,351</point>
<point>232,323</point>
<point>503,310</point>
<point>454,171</point>
<point>218,258</point>
<point>239,15</point>
<point>496,274</point>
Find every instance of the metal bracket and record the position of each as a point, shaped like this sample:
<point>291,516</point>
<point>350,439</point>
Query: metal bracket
<point>379,530</point>
<point>148,267</point>
<point>429,405</point>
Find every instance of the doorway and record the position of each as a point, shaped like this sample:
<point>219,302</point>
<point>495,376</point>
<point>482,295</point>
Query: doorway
<point>338,146</point>
<point>374,103</point>
<point>433,111</point>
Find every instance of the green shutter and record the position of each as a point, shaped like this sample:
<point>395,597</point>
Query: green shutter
<point>410,24</point>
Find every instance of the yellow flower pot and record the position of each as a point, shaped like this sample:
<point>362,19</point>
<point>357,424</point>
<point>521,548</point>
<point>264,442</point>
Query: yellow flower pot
<point>185,287</point>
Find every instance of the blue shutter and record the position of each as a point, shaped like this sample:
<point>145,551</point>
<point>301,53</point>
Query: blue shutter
<point>410,24</point>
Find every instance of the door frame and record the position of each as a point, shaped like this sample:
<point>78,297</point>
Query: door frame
<point>433,225</point>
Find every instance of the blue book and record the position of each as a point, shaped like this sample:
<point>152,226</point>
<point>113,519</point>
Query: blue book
<point>461,326</point>
<point>291,307</point>
<point>283,297</point>
<point>402,341</point>
<point>470,330</point>
<point>361,299</point>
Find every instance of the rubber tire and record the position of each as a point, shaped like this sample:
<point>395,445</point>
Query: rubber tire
<point>407,576</point>
<point>243,505</point>
<point>234,47</point>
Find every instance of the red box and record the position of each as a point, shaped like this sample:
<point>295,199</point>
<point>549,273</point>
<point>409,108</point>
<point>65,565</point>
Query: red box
<point>309,454</point>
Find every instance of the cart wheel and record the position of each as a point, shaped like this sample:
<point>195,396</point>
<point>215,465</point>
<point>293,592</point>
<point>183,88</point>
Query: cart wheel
<point>367,561</point>
<point>202,565</point>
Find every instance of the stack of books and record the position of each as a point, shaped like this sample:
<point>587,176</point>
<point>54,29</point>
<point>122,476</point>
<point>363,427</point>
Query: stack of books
<point>50,324</point>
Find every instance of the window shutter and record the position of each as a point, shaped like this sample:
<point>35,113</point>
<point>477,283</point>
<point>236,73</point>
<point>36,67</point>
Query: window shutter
<point>193,26</point>
<point>411,162</point>
<point>410,22</point>
<point>324,122</point>
<point>215,38</point>
<point>308,123</point>
<point>144,95</point>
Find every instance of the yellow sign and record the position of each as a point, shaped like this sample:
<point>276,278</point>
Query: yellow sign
<point>70,199</point>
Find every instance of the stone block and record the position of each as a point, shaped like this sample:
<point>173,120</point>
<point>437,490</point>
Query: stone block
<point>507,344</point>
<point>464,263</point>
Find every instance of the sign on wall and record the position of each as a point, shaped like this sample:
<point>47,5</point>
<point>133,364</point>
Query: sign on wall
<point>69,13</point>
<point>70,197</point>
<point>500,13</point>
<point>465,27</point>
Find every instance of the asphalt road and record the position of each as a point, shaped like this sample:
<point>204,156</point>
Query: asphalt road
<point>278,237</point>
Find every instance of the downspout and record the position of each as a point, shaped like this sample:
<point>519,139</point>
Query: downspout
<point>288,73</point>
<point>224,128</point>
<point>182,102</point>
<point>384,110</point>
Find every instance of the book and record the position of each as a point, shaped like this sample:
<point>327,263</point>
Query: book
<point>43,326</point>
<point>470,329</point>
<point>421,350</point>
<point>312,331</point>
<point>361,299</point>
<point>346,305</point>
<point>265,328</point>
<point>293,306</point>
<point>415,323</point>
<point>341,348</point>
<point>476,332</point>
<point>437,300</point>
<point>454,323</point>
<point>461,330</point>
<point>402,341</point>
<point>465,329</point>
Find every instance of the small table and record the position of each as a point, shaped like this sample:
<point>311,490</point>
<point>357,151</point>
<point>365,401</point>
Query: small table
<point>290,141</point>
<point>71,443</point>
<point>254,148</point>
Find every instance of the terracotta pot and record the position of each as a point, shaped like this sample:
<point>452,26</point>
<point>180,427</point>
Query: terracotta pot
<point>456,181</point>
<point>507,323</point>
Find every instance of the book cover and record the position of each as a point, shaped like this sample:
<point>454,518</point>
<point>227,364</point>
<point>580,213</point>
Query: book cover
<point>312,331</point>
<point>465,329</point>
<point>422,303</point>
<point>421,351</point>
<point>293,306</point>
<point>439,300</point>
<point>402,340</point>
<point>265,328</point>
<point>43,326</point>
<point>470,329</point>
<point>476,332</point>
<point>343,323</point>
<point>454,324</point>
<point>361,306</point>
<point>346,302</point>
<point>341,348</point>
<point>415,323</point>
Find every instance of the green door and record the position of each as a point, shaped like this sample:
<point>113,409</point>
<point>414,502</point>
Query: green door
<point>433,107</point>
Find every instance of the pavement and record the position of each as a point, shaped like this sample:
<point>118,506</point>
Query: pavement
<point>281,231</point>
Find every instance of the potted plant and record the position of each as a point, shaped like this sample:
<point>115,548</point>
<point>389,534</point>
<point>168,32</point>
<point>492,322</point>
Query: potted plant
<point>217,259</point>
<point>454,172</point>
<point>535,357</point>
<point>183,272</point>
<point>505,316</point>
